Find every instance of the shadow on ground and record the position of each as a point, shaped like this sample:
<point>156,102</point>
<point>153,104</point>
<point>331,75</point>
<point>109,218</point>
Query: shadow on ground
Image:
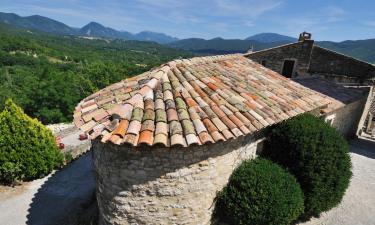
<point>67,197</point>
<point>363,147</point>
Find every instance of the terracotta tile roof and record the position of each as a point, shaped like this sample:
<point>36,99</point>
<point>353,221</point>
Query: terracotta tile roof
<point>196,101</point>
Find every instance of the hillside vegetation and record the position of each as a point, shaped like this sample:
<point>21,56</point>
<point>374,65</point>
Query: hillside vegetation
<point>361,49</point>
<point>221,46</point>
<point>48,75</point>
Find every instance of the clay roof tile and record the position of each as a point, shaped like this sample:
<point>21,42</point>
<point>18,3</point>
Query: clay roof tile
<point>196,101</point>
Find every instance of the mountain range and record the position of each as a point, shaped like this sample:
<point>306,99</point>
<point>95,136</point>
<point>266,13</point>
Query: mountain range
<point>92,29</point>
<point>362,49</point>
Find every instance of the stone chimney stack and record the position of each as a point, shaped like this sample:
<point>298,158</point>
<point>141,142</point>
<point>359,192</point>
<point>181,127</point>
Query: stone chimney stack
<point>304,36</point>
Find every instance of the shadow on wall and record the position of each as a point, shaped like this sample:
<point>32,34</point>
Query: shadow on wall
<point>67,197</point>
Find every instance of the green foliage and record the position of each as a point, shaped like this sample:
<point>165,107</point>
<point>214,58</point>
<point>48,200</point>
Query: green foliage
<point>68,157</point>
<point>48,75</point>
<point>260,192</point>
<point>27,149</point>
<point>317,155</point>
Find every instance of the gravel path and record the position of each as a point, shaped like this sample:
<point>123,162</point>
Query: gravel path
<point>58,199</point>
<point>358,205</point>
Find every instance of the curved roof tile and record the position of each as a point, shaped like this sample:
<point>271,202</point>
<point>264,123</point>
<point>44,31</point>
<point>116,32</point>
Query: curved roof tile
<point>194,101</point>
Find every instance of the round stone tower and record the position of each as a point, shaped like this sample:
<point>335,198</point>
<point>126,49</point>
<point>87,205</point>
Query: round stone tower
<point>166,141</point>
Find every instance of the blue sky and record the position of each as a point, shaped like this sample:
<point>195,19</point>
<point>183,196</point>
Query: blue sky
<point>327,20</point>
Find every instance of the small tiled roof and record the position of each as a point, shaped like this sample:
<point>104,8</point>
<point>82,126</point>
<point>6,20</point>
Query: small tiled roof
<point>194,101</point>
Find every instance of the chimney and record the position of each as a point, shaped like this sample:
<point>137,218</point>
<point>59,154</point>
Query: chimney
<point>304,36</point>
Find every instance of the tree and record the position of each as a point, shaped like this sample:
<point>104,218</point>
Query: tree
<point>27,149</point>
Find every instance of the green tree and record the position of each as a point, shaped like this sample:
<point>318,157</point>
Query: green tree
<point>260,192</point>
<point>317,155</point>
<point>27,148</point>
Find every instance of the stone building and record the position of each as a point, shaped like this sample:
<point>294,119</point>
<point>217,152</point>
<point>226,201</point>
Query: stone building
<point>305,59</point>
<point>166,141</point>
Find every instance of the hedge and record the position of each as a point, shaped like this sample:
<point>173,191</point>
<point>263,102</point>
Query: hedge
<point>317,155</point>
<point>260,192</point>
<point>27,149</point>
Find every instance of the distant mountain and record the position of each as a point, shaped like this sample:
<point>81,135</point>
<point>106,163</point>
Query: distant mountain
<point>153,36</point>
<point>271,37</point>
<point>221,46</point>
<point>361,49</point>
<point>92,29</point>
<point>36,22</point>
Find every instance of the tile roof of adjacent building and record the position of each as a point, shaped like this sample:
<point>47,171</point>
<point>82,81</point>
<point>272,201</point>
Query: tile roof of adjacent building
<point>194,101</point>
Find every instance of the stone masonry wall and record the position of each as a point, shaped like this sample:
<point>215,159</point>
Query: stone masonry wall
<point>274,57</point>
<point>346,119</point>
<point>324,61</point>
<point>165,185</point>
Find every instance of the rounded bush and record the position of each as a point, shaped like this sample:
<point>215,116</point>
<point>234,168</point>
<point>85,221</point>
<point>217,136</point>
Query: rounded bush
<point>317,155</point>
<point>260,192</point>
<point>27,149</point>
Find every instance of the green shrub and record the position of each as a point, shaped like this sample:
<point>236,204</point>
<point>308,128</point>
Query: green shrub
<point>317,155</point>
<point>260,192</point>
<point>27,149</point>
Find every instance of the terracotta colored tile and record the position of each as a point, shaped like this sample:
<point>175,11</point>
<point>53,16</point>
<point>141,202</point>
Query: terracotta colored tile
<point>199,126</point>
<point>175,128</point>
<point>219,124</point>
<point>205,138</point>
<point>122,128</point>
<point>190,102</point>
<point>161,116</point>
<point>235,120</point>
<point>148,125</point>
<point>170,104</point>
<point>183,114</point>
<point>178,140</point>
<point>245,130</point>
<point>192,139</point>
<point>217,136</point>
<point>89,108</point>
<point>146,137</point>
<point>115,139</point>
<point>149,114</point>
<point>188,127</point>
<point>106,137</point>
<point>161,139</point>
<point>159,104</point>
<point>88,126</point>
<point>172,115</point>
<point>134,127</point>
<point>209,125</point>
<point>237,132</point>
<point>228,122</point>
<point>131,139</point>
<point>162,128</point>
<point>212,86</point>
<point>226,93</point>
<point>227,134</point>
<point>137,114</point>
<point>218,111</point>
<point>149,104</point>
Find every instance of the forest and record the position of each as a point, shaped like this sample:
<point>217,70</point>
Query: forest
<point>48,75</point>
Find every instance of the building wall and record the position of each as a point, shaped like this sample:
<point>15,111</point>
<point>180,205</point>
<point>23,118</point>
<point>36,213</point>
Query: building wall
<point>274,57</point>
<point>165,185</point>
<point>346,119</point>
<point>324,61</point>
